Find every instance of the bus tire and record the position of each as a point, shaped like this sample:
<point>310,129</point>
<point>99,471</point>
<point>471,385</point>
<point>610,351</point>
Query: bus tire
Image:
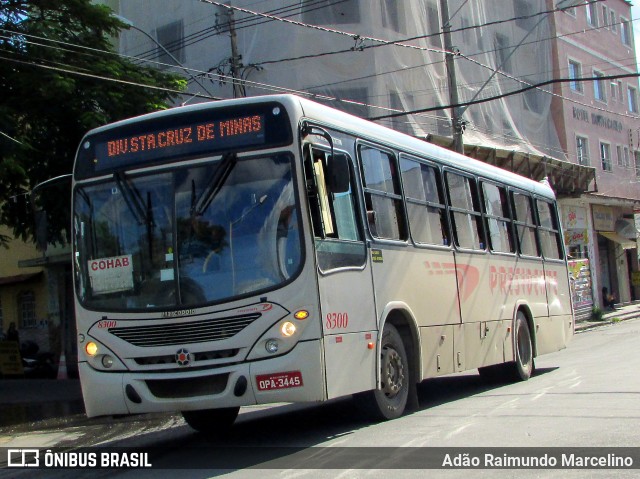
<point>390,401</point>
<point>210,421</point>
<point>522,368</point>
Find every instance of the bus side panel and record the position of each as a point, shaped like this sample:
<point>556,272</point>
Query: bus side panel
<point>425,280</point>
<point>555,332</point>
<point>437,350</point>
<point>489,292</point>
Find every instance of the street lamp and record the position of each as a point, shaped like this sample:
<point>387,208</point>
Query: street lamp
<point>130,24</point>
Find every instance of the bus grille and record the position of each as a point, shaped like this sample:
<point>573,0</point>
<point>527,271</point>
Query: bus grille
<point>188,387</point>
<point>184,333</point>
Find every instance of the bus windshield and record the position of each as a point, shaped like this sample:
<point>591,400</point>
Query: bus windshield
<point>187,237</point>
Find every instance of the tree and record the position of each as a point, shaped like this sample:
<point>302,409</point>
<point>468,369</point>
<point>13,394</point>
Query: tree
<point>60,77</point>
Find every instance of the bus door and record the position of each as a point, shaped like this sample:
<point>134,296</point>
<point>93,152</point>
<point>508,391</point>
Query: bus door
<point>344,277</point>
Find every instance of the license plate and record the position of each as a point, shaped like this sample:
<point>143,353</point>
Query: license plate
<point>269,382</point>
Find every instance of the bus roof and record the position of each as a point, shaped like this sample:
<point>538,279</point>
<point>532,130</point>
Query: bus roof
<point>364,129</point>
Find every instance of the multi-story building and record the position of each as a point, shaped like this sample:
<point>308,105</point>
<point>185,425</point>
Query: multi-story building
<point>518,75</point>
<point>599,125</point>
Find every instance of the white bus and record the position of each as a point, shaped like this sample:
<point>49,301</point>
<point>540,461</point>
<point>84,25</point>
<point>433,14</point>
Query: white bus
<point>272,249</point>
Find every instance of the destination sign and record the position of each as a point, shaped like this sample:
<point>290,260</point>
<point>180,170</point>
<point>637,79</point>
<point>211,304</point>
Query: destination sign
<point>201,137</point>
<point>183,135</point>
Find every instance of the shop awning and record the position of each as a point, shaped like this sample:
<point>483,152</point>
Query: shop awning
<point>624,242</point>
<point>567,179</point>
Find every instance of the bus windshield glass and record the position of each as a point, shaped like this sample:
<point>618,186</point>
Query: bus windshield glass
<point>187,237</point>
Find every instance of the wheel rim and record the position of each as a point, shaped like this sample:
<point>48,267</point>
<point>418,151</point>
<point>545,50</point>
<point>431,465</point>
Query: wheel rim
<point>392,372</point>
<point>524,348</point>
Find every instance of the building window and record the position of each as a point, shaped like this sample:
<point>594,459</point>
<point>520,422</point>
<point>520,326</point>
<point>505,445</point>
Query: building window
<point>632,99</point>
<point>433,25</point>
<point>330,13</point>
<point>605,17</point>
<point>614,91</point>
<point>599,92</point>
<point>613,21</point>
<point>570,11</point>
<point>575,72</point>
<point>605,156</point>
<point>625,31</point>
<point>625,156</point>
<point>592,14</point>
<point>27,309</point>
<point>393,15</point>
<point>525,14</point>
<point>619,155</point>
<point>582,147</point>
<point>171,37</point>
<point>503,50</point>
<point>637,164</point>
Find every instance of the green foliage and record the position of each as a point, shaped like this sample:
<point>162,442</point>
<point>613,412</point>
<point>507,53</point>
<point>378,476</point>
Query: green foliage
<point>60,77</point>
<point>597,314</point>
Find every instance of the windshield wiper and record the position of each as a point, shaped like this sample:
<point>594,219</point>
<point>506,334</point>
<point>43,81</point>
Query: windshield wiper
<point>199,206</point>
<point>131,198</point>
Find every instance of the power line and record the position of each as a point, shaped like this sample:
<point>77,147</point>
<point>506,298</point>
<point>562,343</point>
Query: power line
<point>511,93</point>
<point>89,75</point>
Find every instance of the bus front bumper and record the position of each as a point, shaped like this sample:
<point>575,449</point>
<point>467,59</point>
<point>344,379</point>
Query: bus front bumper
<point>296,376</point>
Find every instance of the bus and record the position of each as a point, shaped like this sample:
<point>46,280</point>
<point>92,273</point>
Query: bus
<point>273,249</point>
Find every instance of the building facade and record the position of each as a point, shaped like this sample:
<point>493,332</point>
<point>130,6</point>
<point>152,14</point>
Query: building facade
<point>599,125</point>
<point>521,102</point>
<point>35,293</point>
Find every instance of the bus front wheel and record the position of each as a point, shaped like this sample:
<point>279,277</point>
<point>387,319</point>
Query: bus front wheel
<point>390,400</point>
<point>211,420</point>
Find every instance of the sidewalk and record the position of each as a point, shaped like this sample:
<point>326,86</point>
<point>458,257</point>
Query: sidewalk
<point>622,312</point>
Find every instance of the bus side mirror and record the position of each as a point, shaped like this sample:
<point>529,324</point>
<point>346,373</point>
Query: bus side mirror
<point>338,178</point>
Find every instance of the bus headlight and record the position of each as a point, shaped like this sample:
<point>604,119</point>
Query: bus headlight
<point>288,329</point>
<point>101,358</point>
<point>281,337</point>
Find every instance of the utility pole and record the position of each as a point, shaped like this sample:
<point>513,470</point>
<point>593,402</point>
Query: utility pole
<point>235,60</point>
<point>451,51</point>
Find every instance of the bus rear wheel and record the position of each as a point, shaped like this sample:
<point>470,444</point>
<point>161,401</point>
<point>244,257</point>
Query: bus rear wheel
<point>208,421</point>
<point>390,401</point>
<point>522,368</point>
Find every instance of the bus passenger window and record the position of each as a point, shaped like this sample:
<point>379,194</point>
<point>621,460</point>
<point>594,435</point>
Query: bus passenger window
<point>465,212</point>
<point>425,202</point>
<point>549,231</point>
<point>382,194</point>
<point>496,207</point>
<point>525,225</point>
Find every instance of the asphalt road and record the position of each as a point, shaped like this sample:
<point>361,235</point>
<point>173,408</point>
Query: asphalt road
<point>585,396</point>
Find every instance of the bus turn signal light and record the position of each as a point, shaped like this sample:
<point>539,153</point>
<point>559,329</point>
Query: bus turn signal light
<point>301,314</point>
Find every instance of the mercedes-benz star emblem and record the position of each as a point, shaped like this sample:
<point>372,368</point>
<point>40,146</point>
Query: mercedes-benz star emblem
<point>183,357</point>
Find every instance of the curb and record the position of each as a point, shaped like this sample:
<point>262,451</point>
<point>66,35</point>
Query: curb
<point>609,319</point>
